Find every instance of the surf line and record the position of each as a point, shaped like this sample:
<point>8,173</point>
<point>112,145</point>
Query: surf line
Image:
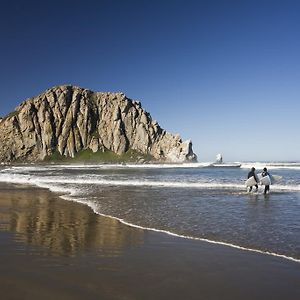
<point>27,179</point>
<point>179,235</point>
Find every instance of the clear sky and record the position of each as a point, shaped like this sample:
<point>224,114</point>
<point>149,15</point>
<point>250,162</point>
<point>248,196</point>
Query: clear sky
<point>225,74</point>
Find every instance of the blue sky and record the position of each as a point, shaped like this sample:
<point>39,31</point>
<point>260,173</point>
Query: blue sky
<point>225,74</point>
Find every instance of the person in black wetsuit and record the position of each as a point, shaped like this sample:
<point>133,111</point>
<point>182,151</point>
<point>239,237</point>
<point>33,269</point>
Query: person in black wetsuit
<point>263,174</point>
<point>250,174</point>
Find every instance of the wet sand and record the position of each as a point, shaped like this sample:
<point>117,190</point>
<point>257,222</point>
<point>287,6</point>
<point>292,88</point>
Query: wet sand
<point>57,249</point>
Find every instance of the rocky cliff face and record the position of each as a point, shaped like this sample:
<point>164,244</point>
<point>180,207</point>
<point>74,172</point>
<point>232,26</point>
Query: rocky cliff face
<point>69,119</point>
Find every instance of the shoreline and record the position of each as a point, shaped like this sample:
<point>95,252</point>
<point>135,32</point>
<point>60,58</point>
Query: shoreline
<point>170,233</point>
<point>57,248</point>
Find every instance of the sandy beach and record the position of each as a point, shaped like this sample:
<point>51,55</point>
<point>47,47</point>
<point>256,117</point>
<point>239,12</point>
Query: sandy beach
<point>57,249</point>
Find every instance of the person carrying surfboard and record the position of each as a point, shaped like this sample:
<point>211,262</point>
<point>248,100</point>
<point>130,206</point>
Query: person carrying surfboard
<point>250,174</point>
<point>264,174</point>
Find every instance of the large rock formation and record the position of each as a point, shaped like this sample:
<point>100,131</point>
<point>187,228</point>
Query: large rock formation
<point>69,119</point>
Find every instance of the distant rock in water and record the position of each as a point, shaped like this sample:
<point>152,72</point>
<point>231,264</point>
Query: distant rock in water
<point>69,119</point>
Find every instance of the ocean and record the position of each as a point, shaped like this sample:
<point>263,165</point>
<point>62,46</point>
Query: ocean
<point>191,201</point>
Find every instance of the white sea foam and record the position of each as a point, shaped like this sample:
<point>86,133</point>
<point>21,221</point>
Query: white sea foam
<point>28,179</point>
<point>99,180</point>
<point>59,189</point>
<point>271,165</point>
<point>110,166</point>
<point>164,166</point>
<point>244,165</point>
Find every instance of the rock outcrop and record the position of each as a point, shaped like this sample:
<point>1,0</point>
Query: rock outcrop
<point>68,119</point>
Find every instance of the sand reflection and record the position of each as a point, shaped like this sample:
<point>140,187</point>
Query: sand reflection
<point>62,227</point>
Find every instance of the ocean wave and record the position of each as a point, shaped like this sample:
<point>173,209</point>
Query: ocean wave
<point>98,180</point>
<point>17,178</point>
<point>244,165</point>
<point>110,166</point>
<point>271,165</point>
<point>166,166</point>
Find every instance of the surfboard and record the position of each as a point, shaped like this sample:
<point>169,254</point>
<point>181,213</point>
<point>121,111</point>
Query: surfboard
<point>266,180</point>
<point>251,181</point>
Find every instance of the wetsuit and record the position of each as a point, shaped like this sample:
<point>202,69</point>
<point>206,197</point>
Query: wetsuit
<point>267,187</point>
<point>250,174</point>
